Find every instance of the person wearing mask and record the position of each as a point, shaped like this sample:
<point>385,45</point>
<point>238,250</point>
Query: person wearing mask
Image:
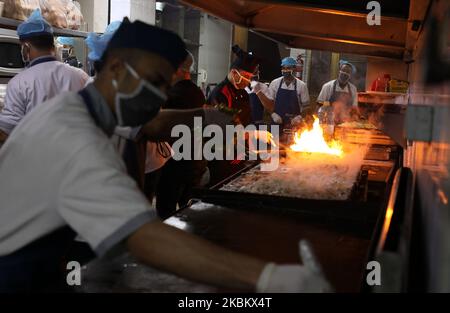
<point>66,51</point>
<point>231,92</point>
<point>43,78</point>
<point>88,191</point>
<point>288,96</point>
<point>178,178</point>
<point>300,67</point>
<point>126,139</point>
<point>341,93</point>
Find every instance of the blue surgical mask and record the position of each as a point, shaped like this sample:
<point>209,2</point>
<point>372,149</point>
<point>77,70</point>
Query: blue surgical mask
<point>288,74</point>
<point>343,78</point>
<point>140,106</point>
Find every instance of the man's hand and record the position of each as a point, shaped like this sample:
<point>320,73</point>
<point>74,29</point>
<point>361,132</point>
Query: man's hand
<point>297,121</point>
<point>178,252</point>
<point>295,278</point>
<point>355,114</point>
<point>277,119</point>
<point>264,136</point>
<point>259,87</point>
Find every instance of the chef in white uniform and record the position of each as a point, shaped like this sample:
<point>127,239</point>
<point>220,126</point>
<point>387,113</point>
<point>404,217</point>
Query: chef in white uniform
<point>287,97</point>
<point>61,175</point>
<point>44,77</point>
<point>341,93</point>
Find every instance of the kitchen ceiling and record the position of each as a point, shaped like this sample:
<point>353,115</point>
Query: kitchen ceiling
<point>332,25</point>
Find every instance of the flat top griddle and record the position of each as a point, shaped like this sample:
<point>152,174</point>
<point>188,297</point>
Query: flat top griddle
<point>356,209</point>
<point>270,236</point>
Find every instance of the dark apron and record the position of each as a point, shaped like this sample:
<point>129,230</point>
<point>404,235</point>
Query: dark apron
<point>342,97</point>
<point>287,104</point>
<point>41,265</point>
<point>257,109</point>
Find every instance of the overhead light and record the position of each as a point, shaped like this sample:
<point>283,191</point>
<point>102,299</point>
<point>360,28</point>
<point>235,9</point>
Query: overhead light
<point>160,6</point>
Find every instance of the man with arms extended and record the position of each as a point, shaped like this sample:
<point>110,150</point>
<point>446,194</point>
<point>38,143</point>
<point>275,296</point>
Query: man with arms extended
<point>73,181</point>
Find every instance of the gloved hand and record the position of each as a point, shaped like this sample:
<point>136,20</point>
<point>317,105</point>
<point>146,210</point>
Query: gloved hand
<point>215,117</point>
<point>294,278</point>
<point>259,87</point>
<point>276,118</point>
<point>296,121</point>
<point>264,136</point>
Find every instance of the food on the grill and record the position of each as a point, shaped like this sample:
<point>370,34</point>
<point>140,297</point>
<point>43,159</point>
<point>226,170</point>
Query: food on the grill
<point>361,125</point>
<point>306,176</point>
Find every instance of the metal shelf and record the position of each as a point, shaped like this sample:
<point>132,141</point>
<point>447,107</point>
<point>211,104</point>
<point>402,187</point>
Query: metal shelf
<point>12,24</point>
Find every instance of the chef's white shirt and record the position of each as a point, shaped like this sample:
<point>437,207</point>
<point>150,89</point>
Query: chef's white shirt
<point>328,89</point>
<point>57,169</point>
<point>302,90</point>
<point>36,85</point>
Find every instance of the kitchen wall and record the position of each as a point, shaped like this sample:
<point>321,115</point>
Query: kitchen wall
<point>143,10</point>
<point>377,67</point>
<point>215,49</point>
<point>99,8</point>
<point>430,159</point>
<point>268,52</point>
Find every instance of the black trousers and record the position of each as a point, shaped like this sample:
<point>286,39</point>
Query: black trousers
<point>175,185</point>
<point>41,265</point>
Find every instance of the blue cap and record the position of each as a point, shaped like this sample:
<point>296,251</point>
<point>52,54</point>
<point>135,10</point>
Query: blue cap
<point>288,62</point>
<point>97,43</point>
<point>344,62</point>
<point>34,26</point>
<point>66,41</point>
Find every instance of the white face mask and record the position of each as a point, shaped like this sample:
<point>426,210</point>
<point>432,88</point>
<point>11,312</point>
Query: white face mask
<point>241,78</point>
<point>25,55</point>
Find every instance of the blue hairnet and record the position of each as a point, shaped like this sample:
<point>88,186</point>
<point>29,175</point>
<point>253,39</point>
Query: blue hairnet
<point>111,29</point>
<point>34,26</point>
<point>343,62</point>
<point>97,44</point>
<point>67,41</point>
<point>289,62</point>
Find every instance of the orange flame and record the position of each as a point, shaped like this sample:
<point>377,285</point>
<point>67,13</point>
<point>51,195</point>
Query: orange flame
<point>313,141</point>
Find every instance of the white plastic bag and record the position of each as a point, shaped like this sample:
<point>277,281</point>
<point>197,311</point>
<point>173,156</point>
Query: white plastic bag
<point>74,17</point>
<point>54,12</point>
<point>19,9</point>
